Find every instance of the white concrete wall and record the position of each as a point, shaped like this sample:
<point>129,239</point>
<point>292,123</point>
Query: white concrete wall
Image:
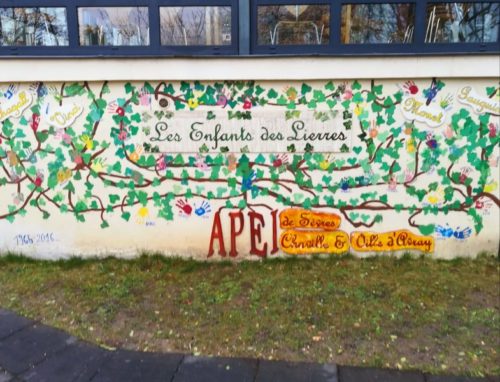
<point>404,171</point>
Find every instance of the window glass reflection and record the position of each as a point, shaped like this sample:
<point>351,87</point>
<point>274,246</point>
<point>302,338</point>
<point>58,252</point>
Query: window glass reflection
<point>462,22</point>
<point>293,24</point>
<point>195,25</point>
<point>378,23</point>
<point>116,26</point>
<point>33,27</point>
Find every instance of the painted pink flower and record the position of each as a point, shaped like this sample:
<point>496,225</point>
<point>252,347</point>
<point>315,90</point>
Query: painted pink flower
<point>122,135</point>
<point>348,94</point>
<point>78,159</point>
<point>493,130</point>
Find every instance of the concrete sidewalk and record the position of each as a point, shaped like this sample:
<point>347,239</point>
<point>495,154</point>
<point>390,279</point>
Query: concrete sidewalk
<point>30,351</point>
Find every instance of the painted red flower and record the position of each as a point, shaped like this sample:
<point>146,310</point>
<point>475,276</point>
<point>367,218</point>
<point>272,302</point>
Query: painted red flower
<point>35,121</point>
<point>247,104</point>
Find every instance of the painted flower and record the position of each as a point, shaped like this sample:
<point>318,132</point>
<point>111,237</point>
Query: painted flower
<point>87,141</point>
<point>143,212</point>
<point>18,198</point>
<point>12,158</point>
<point>35,122</point>
<point>492,130</point>
<point>193,103</point>
<point>232,162</point>
<point>222,100</point>
<point>491,186</point>
<point>78,159</point>
<point>161,163</point>
<point>39,179</point>
<point>448,132</point>
<point>435,197</point>
<point>63,175</point>
<point>325,163</point>
<point>358,110</point>
<point>122,135</point>
<point>134,157</point>
<point>201,163</point>
<point>247,105</point>
<point>97,165</point>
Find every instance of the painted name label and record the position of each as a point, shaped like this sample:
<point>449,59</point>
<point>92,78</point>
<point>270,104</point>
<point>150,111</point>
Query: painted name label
<point>265,132</point>
<point>480,104</point>
<point>314,242</point>
<point>15,106</point>
<point>417,109</point>
<point>391,241</point>
<point>63,116</point>
<point>300,218</point>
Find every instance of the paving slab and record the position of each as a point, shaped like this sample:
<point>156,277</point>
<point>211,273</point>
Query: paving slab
<point>11,323</point>
<point>77,362</point>
<point>281,371</point>
<point>366,374</point>
<point>31,346</point>
<point>207,369</point>
<point>5,376</point>
<point>130,366</point>
<point>452,378</point>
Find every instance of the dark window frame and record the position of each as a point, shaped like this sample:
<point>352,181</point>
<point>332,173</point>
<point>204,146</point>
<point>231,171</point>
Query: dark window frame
<point>244,25</point>
<point>203,49</point>
<point>290,49</point>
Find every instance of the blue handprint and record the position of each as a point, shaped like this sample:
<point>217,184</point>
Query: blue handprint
<point>11,90</point>
<point>203,209</point>
<point>247,184</point>
<point>444,232</point>
<point>247,181</point>
<point>344,184</point>
<point>432,91</point>
<point>463,234</point>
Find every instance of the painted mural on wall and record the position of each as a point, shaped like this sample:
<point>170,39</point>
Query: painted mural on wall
<point>324,167</point>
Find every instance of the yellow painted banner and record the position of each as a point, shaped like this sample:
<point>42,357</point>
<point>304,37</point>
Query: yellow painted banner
<point>391,241</point>
<point>300,218</point>
<point>313,242</point>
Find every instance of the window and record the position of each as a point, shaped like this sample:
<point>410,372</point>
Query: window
<point>33,27</point>
<point>195,26</point>
<point>293,24</point>
<point>462,22</point>
<point>116,26</point>
<point>153,28</point>
<point>378,23</point>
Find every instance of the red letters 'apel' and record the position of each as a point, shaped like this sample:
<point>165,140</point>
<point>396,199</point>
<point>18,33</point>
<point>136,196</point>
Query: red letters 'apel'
<point>237,225</point>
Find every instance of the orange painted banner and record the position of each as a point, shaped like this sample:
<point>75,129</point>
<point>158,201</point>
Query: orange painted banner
<point>314,242</point>
<point>300,218</point>
<point>391,241</point>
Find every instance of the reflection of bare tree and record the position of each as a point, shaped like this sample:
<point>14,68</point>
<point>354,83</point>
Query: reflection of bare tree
<point>376,23</point>
<point>114,26</point>
<point>194,25</point>
<point>33,26</point>
<point>463,22</point>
